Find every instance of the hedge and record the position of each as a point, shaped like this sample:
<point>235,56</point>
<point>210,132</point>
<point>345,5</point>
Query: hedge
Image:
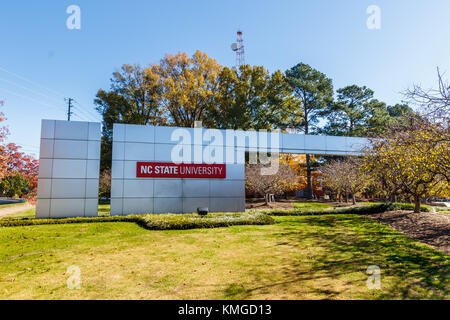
<point>370,209</point>
<point>158,221</point>
<point>214,220</point>
<point>193,221</point>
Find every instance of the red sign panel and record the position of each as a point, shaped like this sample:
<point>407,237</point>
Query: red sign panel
<point>182,170</point>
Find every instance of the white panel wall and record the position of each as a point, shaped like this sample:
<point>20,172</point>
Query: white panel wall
<point>70,157</point>
<point>321,145</point>
<point>133,143</point>
<point>132,195</point>
<point>68,169</point>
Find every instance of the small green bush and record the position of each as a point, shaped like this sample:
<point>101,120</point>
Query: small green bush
<point>410,206</point>
<point>158,221</point>
<point>14,185</point>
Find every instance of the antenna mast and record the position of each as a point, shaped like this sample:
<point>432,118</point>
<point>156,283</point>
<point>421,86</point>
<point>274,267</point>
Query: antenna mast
<point>238,47</point>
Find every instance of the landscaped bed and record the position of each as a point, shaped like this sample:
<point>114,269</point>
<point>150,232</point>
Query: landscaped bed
<point>158,221</point>
<point>300,210</point>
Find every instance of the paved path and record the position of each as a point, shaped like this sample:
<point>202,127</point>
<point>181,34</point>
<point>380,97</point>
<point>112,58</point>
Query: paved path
<point>5,212</point>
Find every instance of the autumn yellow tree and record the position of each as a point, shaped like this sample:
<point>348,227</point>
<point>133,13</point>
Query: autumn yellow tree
<point>182,89</point>
<point>413,158</point>
<point>407,161</point>
<point>190,86</point>
<point>298,164</point>
<point>433,125</point>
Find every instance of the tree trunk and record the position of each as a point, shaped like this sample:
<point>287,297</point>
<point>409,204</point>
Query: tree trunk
<point>346,197</point>
<point>416,204</point>
<point>353,199</point>
<point>308,176</point>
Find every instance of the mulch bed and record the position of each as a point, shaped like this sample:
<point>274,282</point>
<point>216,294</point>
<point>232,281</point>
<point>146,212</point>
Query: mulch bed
<point>427,227</point>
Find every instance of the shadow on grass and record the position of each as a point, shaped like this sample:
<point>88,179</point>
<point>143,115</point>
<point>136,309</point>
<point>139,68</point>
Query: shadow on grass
<point>234,291</point>
<point>342,249</point>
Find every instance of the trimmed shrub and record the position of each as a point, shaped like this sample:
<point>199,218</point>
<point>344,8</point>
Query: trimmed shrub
<point>410,206</point>
<point>193,221</point>
<point>158,221</point>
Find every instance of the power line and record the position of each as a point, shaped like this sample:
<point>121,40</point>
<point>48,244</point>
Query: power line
<point>34,100</point>
<point>81,117</point>
<point>32,82</point>
<point>88,111</point>
<point>86,118</point>
<point>25,88</point>
<point>82,112</point>
<point>90,116</point>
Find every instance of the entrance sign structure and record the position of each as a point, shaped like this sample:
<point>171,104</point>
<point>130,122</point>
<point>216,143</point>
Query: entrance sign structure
<point>159,169</point>
<point>68,169</point>
<point>135,192</point>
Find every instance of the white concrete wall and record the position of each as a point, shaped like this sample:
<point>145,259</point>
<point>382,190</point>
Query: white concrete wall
<point>132,195</point>
<point>321,145</point>
<point>70,158</point>
<point>134,143</point>
<point>68,169</point>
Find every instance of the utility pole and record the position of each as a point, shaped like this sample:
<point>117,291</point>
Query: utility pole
<point>69,107</point>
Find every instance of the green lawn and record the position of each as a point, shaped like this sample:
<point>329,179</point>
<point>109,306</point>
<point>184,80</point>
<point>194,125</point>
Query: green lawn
<point>443,209</point>
<point>28,213</point>
<point>103,210</point>
<point>306,257</point>
<point>8,205</point>
<point>311,205</point>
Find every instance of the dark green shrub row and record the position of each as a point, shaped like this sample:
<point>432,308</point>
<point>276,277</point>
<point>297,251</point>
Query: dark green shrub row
<point>410,206</point>
<point>370,209</point>
<point>33,222</point>
<point>193,221</point>
<point>158,221</point>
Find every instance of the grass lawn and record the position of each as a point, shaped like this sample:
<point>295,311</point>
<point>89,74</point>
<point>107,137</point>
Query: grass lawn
<point>311,205</point>
<point>28,213</point>
<point>443,209</point>
<point>9,205</point>
<point>103,210</point>
<point>305,257</point>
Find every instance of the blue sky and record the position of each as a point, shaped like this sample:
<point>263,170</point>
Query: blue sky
<point>329,35</point>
